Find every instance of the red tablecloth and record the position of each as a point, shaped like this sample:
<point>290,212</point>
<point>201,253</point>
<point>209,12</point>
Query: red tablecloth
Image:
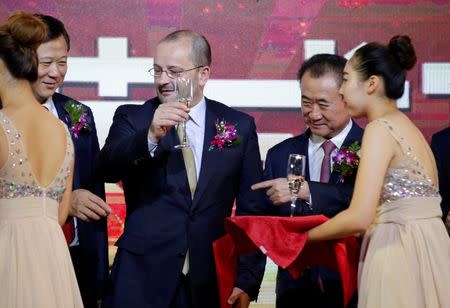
<point>283,240</point>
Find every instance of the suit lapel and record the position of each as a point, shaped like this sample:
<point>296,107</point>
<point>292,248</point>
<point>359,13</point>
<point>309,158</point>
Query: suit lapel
<point>176,165</point>
<point>62,113</point>
<point>166,150</point>
<point>352,136</point>
<point>59,102</point>
<point>304,139</point>
<point>209,158</point>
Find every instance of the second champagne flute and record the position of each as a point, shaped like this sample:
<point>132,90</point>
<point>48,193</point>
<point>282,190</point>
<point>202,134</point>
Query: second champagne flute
<point>185,94</point>
<point>295,176</point>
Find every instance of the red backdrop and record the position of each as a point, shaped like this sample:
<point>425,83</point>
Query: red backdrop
<point>255,40</point>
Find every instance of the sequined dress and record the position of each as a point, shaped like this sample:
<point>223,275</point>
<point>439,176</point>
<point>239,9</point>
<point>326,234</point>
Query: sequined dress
<point>35,265</point>
<point>405,256</point>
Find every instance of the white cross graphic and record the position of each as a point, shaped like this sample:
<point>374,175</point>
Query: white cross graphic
<point>113,70</point>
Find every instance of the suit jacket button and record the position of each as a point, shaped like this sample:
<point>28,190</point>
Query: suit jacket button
<point>182,254</point>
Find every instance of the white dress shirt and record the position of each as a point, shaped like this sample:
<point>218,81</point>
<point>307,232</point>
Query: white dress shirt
<point>316,154</point>
<point>50,105</point>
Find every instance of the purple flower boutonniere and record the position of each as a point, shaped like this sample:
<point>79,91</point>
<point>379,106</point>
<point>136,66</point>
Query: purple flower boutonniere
<point>78,117</point>
<point>225,137</point>
<point>346,161</point>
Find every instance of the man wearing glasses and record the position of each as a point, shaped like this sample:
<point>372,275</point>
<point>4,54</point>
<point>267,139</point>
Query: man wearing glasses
<point>177,199</point>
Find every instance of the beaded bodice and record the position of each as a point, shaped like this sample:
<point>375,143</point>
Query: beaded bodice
<point>409,179</point>
<point>16,176</point>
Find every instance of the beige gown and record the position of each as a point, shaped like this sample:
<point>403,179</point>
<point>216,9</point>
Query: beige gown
<point>405,257</point>
<point>35,265</point>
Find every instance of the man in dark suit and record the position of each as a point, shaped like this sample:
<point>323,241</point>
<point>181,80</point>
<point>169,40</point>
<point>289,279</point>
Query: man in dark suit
<point>85,230</point>
<point>177,200</point>
<point>328,122</point>
<point>440,144</point>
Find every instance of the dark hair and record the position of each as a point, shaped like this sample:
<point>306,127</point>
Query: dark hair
<point>201,50</point>
<point>20,36</point>
<point>321,64</point>
<point>390,62</point>
<point>55,29</point>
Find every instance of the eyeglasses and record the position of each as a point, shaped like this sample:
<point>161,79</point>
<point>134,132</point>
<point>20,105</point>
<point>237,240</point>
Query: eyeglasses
<point>171,73</point>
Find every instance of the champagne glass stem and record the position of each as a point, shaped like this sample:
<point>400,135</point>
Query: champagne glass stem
<point>184,132</point>
<point>293,200</point>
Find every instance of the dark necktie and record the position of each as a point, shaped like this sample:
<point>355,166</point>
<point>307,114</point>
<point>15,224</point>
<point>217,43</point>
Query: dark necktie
<point>325,170</point>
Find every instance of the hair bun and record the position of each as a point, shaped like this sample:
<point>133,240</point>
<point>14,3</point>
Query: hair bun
<point>20,36</point>
<point>402,49</point>
<point>27,30</point>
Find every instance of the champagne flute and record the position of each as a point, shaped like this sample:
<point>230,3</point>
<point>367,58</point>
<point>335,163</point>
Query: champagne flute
<point>185,94</point>
<point>295,176</point>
